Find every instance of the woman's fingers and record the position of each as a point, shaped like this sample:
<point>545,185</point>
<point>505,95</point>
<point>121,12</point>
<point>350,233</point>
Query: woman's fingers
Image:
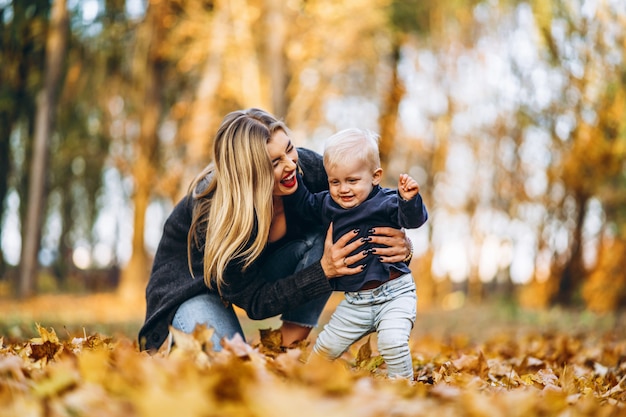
<point>395,245</point>
<point>336,259</point>
<point>345,248</point>
<point>332,259</point>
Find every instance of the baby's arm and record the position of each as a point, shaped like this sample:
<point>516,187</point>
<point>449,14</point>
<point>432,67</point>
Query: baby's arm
<point>411,210</point>
<point>305,203</point>
<point>407,187</point>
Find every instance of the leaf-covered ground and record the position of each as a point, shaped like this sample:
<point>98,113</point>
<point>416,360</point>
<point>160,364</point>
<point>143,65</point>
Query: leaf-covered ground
<point>467,364</point>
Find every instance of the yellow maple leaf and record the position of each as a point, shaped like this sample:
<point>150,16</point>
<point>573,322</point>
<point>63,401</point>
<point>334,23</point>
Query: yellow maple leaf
<point>46,335</point>
<point>364,353</point>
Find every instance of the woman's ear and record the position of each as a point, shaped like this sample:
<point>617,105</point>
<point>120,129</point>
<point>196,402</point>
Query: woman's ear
<point>377,176</point>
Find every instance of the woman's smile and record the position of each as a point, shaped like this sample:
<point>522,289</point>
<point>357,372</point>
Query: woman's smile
<point>289,181</point>
<point>284,157</point>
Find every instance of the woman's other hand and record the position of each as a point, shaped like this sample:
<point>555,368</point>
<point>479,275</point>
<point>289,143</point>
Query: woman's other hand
<point>397,246</point>
<point>336,260</point>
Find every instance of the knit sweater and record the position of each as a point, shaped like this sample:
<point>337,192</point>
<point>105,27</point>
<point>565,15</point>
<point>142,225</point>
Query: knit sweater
<point>171,282</point>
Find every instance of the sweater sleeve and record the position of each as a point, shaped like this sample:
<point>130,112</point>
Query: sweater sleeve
<point>305,204</point>
<point>411,213</point>
<point>313,173</point>
<point>262,299</point>
<point>170,282</point>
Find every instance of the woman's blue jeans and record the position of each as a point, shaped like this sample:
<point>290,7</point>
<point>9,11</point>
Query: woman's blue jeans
<point>208,308</point>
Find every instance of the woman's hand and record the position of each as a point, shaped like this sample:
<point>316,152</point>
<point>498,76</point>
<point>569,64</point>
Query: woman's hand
<point>336,260</point>
<point>398,247</point>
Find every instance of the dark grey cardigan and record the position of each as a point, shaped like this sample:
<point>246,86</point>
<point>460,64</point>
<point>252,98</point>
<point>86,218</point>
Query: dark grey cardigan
<point>171,283</point>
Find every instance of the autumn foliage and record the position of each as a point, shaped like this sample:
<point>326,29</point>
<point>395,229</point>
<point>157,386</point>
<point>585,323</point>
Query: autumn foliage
<point>530,374</point>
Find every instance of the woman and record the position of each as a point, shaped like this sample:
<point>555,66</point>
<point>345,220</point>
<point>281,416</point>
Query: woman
<point>252,251</point>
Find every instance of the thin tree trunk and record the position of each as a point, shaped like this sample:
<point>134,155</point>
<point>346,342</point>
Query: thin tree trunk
<point>46,103</point>
<point>389,115</point>
<point>250,94</point>
<point>198,131</point>
<point>148,77</point>
<point>275,58</point>
<point>573,274</point>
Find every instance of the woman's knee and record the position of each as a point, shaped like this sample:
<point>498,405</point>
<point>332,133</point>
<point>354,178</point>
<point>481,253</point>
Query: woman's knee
<point>208,310</point>
<point>313,249</point>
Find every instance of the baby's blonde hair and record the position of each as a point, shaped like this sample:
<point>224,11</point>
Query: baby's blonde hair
<point>351,144</point>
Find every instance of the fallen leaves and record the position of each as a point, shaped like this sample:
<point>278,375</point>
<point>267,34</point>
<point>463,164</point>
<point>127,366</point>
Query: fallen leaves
<point>508,375</point>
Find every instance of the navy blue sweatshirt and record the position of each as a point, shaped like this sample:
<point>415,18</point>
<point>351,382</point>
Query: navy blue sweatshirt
<point>383,207</point>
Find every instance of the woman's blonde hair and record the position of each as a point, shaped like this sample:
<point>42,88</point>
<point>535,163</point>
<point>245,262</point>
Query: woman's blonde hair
<point>234,211</point>
<point>352,144</point>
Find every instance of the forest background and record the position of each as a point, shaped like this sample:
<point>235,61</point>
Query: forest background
<point>510,114</point>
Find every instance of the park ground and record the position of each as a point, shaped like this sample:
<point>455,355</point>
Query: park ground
<point>106,313</point>
<point>76,355</point>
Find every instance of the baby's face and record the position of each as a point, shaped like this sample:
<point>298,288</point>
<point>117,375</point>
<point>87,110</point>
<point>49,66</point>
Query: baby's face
<point>350,183</point>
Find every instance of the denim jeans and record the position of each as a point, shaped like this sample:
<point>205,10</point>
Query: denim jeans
<point>389,310</point>
<point>208,308</point>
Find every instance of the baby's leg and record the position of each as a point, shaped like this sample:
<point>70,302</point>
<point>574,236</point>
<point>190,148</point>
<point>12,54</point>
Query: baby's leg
<point>347,325</point>
<point>394,325</point>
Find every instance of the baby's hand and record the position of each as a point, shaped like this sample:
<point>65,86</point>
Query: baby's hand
<point>407,187</point>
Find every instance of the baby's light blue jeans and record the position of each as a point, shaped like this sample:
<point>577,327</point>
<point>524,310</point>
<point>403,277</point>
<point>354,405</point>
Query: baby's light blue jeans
<point>208,308</point>
<point>389,310</point>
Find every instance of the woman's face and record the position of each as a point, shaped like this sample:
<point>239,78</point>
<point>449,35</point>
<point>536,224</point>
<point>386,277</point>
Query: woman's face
<point>284,157</point>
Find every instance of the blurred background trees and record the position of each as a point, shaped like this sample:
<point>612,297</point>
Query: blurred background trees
<point>511,115</point>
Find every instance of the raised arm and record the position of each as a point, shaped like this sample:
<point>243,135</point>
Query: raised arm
<point>412,212</point>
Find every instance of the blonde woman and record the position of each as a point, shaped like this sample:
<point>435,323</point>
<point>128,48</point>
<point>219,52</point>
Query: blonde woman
<point>231,240</point>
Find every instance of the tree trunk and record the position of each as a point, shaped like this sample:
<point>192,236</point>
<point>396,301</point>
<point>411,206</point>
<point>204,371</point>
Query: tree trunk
<point>389,114</point>
<point>199,129</point>
<point>275,57</point>
<point>573,273</point>
<point>147,75</point>
<point>249,92</point>
<point>46,103</point>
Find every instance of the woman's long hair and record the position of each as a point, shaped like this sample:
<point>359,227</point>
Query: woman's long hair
<point>234,212</point>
